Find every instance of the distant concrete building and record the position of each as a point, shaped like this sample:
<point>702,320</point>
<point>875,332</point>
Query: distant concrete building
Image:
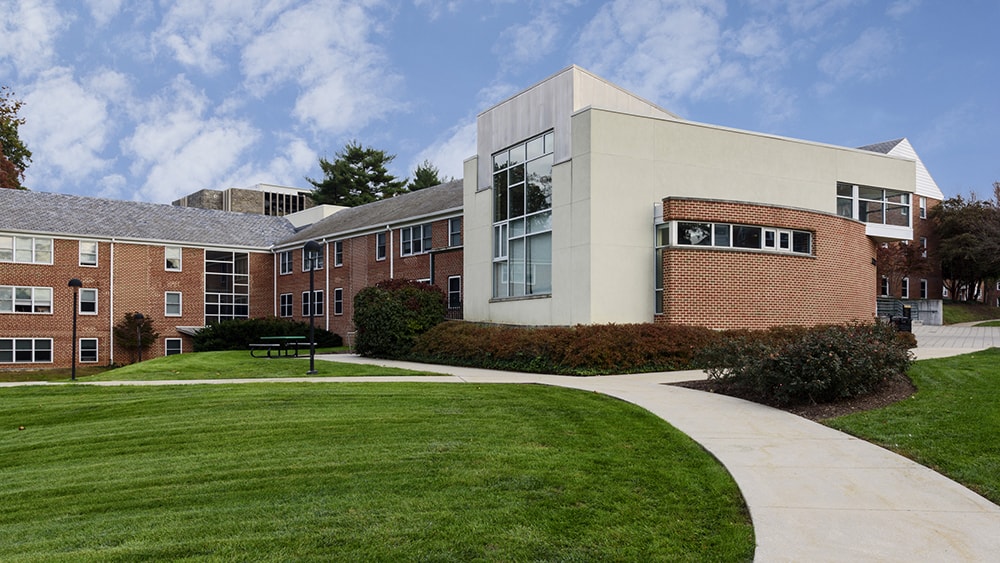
<point>263,199</point>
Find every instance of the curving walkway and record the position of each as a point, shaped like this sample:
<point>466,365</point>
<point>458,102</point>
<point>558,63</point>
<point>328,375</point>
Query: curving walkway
<point>814,494</point>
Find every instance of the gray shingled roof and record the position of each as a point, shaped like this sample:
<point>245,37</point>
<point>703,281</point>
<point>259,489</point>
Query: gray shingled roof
<point>884,147</point>
<point>385,212</point>
<point>72,215</point>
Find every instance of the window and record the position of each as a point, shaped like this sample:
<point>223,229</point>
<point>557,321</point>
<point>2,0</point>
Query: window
<point>944,292</point>
<point>286,305</point>
<point>172,258</point>
<point>380,246</point>
<point>227,286</point>
<point>88,301</point>
<point>923,247</point>
<point>414,240</point>
<point>522,218</point>
<point>285,261</point>
<point>338,253</point>
<point>885,286</point>
<point>455,231</point>
<point>88,253</point>
<point>661,241</point>
<point>923,207</point>
<point>873,205</point>
<point>318,258</point>
<point>36,300</point>
<point>25,350</point>
<point>338,301</point>
<point>25,250</point>
<point>723,235</point>
<point>455,292</point>
<point>88,350</point>
<point>172,346</point>
<point>904,290</point>
<point>923,289</point>
<point>317,306</point>
<point>172,304</point>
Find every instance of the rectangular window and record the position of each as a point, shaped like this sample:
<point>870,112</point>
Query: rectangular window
<point>944,292</point>
<point>742,236</point>
<point>338,301</point>
<point>227,286</point>
<point>88,253</point>
<point>25,250</point>
<point>380,246</point>
<point>317,303</point>
<point>338,253</point>
<point>522,218</point>
<point>415,240</point>
<point>660,242</point>
<point>88,301</point>
<point>873,205</point>
<point>286,306</point>
<point>88,350</point>
<point>34,300</point>
<point>25,350</point>
<point>172,258</point>
<point>172,346</point>
<point>308,260</point>
<point>172,304</point>
<point>923,207</point>
<point>923,247</point>
<point>455,231</point>
<point>904,290</point>
<point>455,292</point>
<point>885,286</point>
<point>923,289</point>
<point>285,262</point>
<point>746,237</point>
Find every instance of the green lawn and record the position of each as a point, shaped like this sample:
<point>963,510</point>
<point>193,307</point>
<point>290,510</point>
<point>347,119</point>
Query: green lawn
<point>355,472</point>
<point>950,425</point>
<point>958,312</point>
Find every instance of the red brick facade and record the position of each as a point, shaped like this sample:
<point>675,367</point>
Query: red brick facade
<point>923,230</point>
<point>734,288</point>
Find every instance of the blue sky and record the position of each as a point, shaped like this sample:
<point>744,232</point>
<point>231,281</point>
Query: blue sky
<point>153,99</point>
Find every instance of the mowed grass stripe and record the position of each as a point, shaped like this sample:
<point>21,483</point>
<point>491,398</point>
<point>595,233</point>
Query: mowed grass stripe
<point>380,471</point>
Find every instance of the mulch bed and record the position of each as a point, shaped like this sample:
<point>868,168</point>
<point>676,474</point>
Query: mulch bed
<point>892,391</point>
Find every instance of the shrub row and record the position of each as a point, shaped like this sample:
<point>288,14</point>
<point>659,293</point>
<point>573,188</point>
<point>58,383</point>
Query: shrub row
<point>238,334</point>
<point>822,364</point>
<point>579,350</point>
<point>391,314</point>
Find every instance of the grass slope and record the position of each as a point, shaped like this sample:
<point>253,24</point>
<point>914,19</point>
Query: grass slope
<point>950,425</point>
<point>349,472</point>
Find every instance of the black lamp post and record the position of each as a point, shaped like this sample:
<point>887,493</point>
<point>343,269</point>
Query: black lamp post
<point>76,285</point>
<point>312,249</point>
<point>138,333</point>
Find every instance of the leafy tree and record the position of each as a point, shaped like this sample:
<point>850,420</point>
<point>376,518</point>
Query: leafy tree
<point>14,156</point>
<point>902,259</point>
<point>969,249</point>
<point>357,176</point>
<point>135,334</point>
<point>391,314</point>
<point>425,176</point>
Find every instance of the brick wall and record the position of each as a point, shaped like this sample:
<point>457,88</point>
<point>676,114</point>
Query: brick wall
<point>736,288</point>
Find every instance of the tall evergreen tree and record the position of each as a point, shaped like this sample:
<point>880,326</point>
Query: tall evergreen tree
<point>357,176</point>
<point>425,176</point>
<point>14,156</point>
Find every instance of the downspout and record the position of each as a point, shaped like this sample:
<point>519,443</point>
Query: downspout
<point>431,264</point>
<point>111,306</point>
<point>392,253</point>
<point>274,276</point>
<point>326,286</point>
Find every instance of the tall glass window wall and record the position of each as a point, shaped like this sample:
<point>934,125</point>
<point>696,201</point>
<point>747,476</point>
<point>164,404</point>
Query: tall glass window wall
<point>227,286</point>
<point>522,219</point>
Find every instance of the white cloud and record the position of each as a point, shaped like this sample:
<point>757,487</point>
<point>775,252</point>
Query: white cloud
<point>900,8</point>
<point>67,126</point>
<point>449,152</point>
<point>28,29</point>
<point>660,50</point>
<point>435,8</point>
<point>528,42</point>
<point>865,59</point>
<point>199,33</point>
<point>285,169</point>
<point>809,15</point>
<point>104,10</point>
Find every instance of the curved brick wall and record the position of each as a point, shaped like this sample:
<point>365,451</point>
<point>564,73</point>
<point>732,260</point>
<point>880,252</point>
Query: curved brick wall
<point>726,288</point>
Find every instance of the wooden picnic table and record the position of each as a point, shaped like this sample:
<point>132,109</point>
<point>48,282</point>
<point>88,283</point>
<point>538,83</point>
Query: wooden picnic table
<point>281,346</point>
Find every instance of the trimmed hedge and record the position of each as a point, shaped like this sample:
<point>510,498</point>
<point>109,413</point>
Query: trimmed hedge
<point>390,315</point>
<point>238,334</point>
<point>579,350</point>
<point>788,366</point>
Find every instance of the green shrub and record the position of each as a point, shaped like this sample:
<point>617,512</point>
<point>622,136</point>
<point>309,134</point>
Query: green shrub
<point>238,334</point>
<point>579,350</point>
<point>817,365</point>
<point>390,315</point>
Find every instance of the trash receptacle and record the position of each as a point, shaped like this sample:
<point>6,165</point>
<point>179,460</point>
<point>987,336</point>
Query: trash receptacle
<point>903,324</point>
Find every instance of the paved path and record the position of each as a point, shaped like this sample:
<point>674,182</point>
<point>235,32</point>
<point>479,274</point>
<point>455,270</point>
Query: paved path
<point>814,494</point>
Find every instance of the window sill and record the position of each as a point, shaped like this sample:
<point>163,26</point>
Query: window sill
<point>520,298</point>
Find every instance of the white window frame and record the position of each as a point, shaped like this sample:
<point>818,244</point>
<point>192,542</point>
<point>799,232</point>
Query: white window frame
<point>178,256</point>
<point>923,289</point>
<point>13,350</point>
<point>884,286</point>
<point>409,241</point>
<point>456,293</point>
<point>95,349</point>
<point>167,304</point>
<point>173,343</point>
<point>316,303</point>
<point>338,301</point>
<point>923,247</point>
<point>87,291</point>
<point>455,231</point>
<point>288,307</point>
<point>319,259</point>
<point>285,262</point>
<point>88,258</point>
<point>338,253</point>
<point>380,246</point>
<point>36,304</point>
<point>904,288</point>
<point>923,207</point>
<point>12,249</point>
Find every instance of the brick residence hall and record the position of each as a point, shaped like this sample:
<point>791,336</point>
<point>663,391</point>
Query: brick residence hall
<point>583,204</point>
